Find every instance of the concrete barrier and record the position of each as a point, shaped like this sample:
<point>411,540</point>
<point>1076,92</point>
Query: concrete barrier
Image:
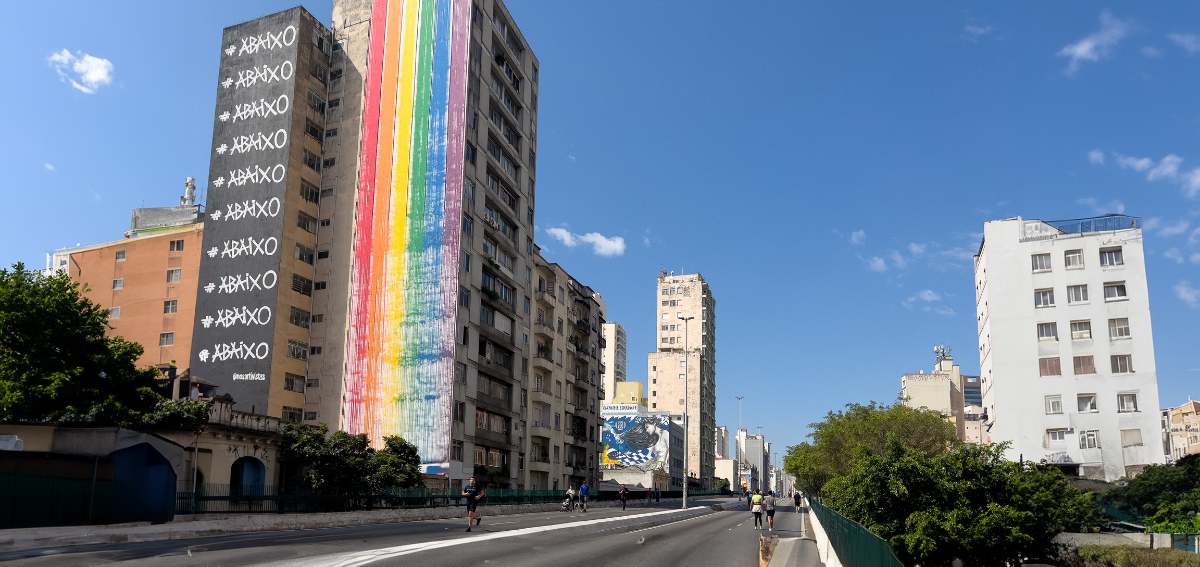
<point>824,547</point>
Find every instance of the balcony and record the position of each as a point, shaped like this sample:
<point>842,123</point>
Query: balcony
<point>542,326</point>
<point>542,359</point>
<point>546,295</point>
<point>493,403</point>
<point>502,439</point>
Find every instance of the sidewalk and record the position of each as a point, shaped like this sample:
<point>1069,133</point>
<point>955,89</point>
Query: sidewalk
<point>797,551</point>
<point>186,527</point>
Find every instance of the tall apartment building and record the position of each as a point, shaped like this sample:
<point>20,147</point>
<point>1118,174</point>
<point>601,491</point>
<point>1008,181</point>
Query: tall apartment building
<point>721,443</point>
<point>147,280</point>
<point>629,392</point>
<point>685,302</point>
<point>1066,345</point>
<point>562,417</point>
<point>757,460</point>
<point>615,359</point>
<point>1181,431</point>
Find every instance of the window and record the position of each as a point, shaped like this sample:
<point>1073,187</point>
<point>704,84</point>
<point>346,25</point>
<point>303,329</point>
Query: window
<point>292,415</point>
<point>322,254</point>
<point>171,306</point>
<point>326,193</point>
<point>329,162</point>
<point>306,222</point>
<point>335,103</point>
<point>310,416</point>
<point>1081,330</point>
<point>1043,298</point>
<point>297,350</point>
<point>1111,257</point>
<point>319,285</point>
<point>1041,262</point>
<point>309,192</point>
<point>1115,291</point>
<point>1084,365</point>
<point>174,275</point>
<point>1073,259</point>
<point>1056,435</point>
<point>1077,293</point>
<point>119,283</point>
<point>1127,402</point>
<point>313,161</point>
<point>175,246</point>
<point>1089,439</point>
<point>302,285</point>
<point>468,227</point>
<point>469,153</point>
<point>316,103</point>
<point>1118,328</point>
<point>1131,437</point>
<point>166,339</point>
<point>314,350</point>
<point>460,411</point>
<point>1122,363</point>
<point>1047,331</point>
<point>456,451</point>
<point>300,317</point>
<point>305,254</point>
<point>120,255</point>
<point>326,222</point>
<point>1087,403</point>
<point>1053,405</point>
<point>331,133</point>
<point>293,382</point>
<point>114,313</point>
<point>464,297</point>
<point>1049,366</point>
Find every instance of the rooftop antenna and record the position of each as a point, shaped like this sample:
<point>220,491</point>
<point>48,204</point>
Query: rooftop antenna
<point>189,192</point>
<point>941,352</point>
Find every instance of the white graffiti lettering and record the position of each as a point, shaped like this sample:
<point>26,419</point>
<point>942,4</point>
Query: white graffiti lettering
<point>249,209</point>
<point>265,41</point>
<point>253,376</point>
<point>245,316</point>
<point>236,350</point>
<point>250,246</point>
<point>264,73</point>
<point>256,174</point>
<point>246,281</point>
<point>256,142</point>
<point>261,108</point>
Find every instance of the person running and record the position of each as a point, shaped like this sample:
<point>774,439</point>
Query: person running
<point>769,504</point>
<point>571,496</point>
<point>583,494</point>
<point>624,494</point>
<point>473,494</point>
<point>756,508</point>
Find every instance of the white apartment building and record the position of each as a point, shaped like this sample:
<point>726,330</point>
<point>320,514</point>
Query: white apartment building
<point>1066,346</point>
<point>614,358</point>
<point>721,442</point>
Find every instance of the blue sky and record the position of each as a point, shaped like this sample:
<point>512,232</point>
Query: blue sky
<point>829,166</point>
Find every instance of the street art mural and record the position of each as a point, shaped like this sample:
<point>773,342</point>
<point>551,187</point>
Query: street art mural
<point>404,282</point>
<point>635,439</point>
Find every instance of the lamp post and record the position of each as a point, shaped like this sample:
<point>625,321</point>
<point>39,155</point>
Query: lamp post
<point>739,399</point>
<point>686,371</point>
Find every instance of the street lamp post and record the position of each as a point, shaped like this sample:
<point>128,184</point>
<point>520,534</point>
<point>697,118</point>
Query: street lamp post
<point>686,371</point>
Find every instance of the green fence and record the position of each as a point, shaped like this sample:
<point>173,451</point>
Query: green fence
<point>34,501</point>
<point>854,544</point>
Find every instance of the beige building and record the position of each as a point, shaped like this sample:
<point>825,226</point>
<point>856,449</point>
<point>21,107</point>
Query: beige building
<point>728,470</point>
<point>940,390</point>
<point>615,358</point>
<point>1183,430</point>
<point>562,414</point>
<point>721,442</point>
<point>629,392</point>
<point>686,311</point>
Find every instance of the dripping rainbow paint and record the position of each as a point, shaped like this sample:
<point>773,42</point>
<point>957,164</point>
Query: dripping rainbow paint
<point>404,285</point>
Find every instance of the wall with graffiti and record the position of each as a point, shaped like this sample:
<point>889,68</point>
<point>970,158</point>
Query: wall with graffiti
<point>634,438</point>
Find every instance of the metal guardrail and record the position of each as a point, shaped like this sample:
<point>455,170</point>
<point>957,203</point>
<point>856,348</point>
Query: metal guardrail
<point>854,544</point>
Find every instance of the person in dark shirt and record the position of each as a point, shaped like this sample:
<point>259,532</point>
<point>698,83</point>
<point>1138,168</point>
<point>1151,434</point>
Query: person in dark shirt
<point>624,496</point>
<point>473,494</point>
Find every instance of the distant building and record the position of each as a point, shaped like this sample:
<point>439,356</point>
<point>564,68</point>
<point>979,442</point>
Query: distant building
<point>629,392</point>
<point>721,442</point>
<point>147,280</point>
<point>1182,430</point>
<point>727,469</point>
<point>1066,345</point>
<point>939,390</point>
<point>613,359</point>
<point>757,460</point>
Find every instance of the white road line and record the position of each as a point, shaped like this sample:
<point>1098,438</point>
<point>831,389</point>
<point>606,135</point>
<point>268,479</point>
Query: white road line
<point>667,524</point>
<point>357,558</point>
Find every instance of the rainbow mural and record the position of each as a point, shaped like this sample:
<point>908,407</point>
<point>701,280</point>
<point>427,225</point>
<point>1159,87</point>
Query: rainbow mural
<point>404,286</point>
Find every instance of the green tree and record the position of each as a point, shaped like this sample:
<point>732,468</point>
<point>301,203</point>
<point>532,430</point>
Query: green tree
<point>57,365</point>
<point>397,465</point>
<point>844,436</point>
<point>1165,496</point>
<point>339,463</point>
<point>185,415</point>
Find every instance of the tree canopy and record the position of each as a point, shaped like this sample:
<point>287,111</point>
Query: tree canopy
<point>345,464</point>
<point>57,365</point>
<point>1165,497</point>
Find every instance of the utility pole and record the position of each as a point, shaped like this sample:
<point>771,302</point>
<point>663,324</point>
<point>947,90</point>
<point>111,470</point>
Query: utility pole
<point>686,371</point>
<point>739,399</point>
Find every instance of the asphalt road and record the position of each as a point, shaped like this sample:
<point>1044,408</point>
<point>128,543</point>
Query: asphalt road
<point>602,536</point>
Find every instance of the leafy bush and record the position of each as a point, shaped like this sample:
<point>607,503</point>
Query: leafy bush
<point>1125,556</point>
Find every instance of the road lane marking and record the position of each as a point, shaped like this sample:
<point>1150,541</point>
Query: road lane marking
<point>358,558</point>
<point>667,524</point>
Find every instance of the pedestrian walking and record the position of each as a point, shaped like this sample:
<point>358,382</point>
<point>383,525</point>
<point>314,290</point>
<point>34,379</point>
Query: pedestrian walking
<point>769,504</point>
<point>749,495</point>
<point>584,489</point>
<point>796,496</point>
<point>647,496</point>
<point>473,494</point>
<point>756,508</point>
<point>624,495</point>
<point>571,496</point>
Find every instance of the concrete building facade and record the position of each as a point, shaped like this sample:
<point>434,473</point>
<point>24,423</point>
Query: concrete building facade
<point>685,304</point>
<point>939,390</point>
<point>721,443</point>
<point>615,359</point>
<point>630,392</point>
<point>1181,434</point>
<point>1066,344</point>
<point>726,468</point>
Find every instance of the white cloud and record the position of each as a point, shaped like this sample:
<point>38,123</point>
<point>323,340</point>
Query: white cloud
<point>1096,157</point>
<point>898,259</point>
<point>84,72</point>
<point>604,245</point>
<point>858,237</point>
<point>1174,229</point>
<point>960,253</point>
<point>571,158</point>
<point>1194,237</point>
<point>1174,255</point>
<point>916,248</point>
<point>1191,183</point>
<point>876,264</point>
<point>973,33</point>
<point>1114,206</point>
<point>1167,168</point>
<point>601,245</point>
<point>1187,294</point>
<point>928,295</point>
<point>562,235</point>
<point>928,301</point>
<point>1096,45</point>
<point>1187,41</point>
<point>1151,52</point>
<point>943,310</point>
<point>1194,258</point>
<point>1151,224</point>
<point>49,167</point>
<point>1138,164</point>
